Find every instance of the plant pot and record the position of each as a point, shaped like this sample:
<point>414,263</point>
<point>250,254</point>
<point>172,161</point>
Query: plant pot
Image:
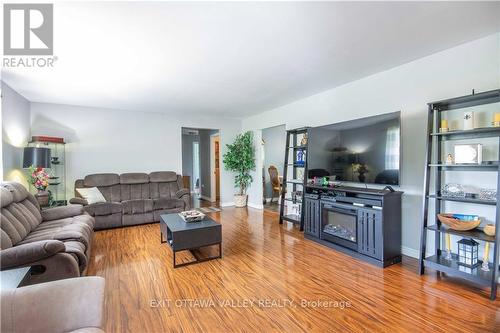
<point>240,200</point>
<point>43,198</point>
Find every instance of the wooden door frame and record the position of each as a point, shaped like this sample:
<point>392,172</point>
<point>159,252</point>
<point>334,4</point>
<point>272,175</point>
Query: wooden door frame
<point>213,189</point>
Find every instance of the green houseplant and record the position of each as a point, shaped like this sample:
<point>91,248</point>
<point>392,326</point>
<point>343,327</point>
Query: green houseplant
<point>240,158</point>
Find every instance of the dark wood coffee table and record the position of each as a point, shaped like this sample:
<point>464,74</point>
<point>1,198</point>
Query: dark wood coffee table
<point>181,236</point>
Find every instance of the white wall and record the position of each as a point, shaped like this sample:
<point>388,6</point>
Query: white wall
<point>105,140</point>
<point>451,73</point>
<point>15,133</point>
<point>255,189</point>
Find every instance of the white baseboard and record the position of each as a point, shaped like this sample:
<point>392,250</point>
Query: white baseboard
<point>256,206</point>
<point>414,253</point>
<point>278,201</point>
<point>408,251</point>
<point>226,204</point>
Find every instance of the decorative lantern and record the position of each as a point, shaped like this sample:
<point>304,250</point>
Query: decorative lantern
<point>468,252</point>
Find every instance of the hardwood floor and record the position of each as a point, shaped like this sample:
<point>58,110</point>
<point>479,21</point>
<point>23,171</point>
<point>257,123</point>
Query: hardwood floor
<point>274,265</point>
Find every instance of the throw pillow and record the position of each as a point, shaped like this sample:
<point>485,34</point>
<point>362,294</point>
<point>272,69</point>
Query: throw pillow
<point>91,195</point>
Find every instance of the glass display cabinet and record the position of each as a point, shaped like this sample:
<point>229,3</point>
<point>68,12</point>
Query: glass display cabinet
<point>57,170</point>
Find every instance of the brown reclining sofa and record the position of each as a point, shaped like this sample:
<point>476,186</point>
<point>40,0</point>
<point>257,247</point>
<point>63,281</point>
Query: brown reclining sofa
<point>133,198</point>
<point>56,242</point>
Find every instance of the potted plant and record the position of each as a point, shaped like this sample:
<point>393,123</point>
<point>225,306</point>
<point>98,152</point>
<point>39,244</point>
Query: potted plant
<point>240,158</point>
<point>39,178</point>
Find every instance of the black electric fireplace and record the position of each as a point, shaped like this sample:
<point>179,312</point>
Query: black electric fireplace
<point>339,224</point>
<point>364,223</point>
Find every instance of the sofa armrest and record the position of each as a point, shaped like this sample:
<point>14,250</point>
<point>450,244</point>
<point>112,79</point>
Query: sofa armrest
<point>62,212</point>
<point>23,254</point>
<point>185,196</point>
<point>78,201</point>
<point>58,306</point>
<point>182,192</point>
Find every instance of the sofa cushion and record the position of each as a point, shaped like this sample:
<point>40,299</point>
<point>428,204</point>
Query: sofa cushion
<point>5,241</point>
<point>166,203</point>
<point>134,191</point>
<point>6,197</point>
<point>107,183</point>
<point>18,191</point>
<point>134,178</point>
<point>163,190</point>
<point>162,177</point>
<point>136,219</point>
<point>68,229</point>
<point>137,206</point>
<point>78,250</point>
<point>108,221</point>
<point>80,219</point>
<point>19,217</point>
<point>104,208</point>
<point>101,179</point>
<point>134,186</point>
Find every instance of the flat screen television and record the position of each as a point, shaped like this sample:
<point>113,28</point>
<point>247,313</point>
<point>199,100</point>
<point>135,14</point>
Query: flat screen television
<point>366,150</point>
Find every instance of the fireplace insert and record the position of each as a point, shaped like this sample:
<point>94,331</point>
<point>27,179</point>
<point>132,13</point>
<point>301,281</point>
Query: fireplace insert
<point>339,224</point>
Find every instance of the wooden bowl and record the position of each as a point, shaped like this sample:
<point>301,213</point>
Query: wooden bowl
<point>457,224</point>
<point>489,229</point>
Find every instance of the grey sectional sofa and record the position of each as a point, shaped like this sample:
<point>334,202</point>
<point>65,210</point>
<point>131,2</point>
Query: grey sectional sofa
<point>56,241</point>
<point>133,198</point>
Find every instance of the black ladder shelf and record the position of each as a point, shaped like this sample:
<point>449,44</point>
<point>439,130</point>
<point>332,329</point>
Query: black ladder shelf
<point>435,167</point>
<point>293,145</point>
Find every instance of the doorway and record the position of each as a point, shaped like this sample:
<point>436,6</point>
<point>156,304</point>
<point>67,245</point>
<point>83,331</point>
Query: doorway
<point>200,163</point>
<point>196,168</point>
<point>273,141</point>
<point>215,167</point>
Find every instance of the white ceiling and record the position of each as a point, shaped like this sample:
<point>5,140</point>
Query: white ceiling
<point>236,59</point>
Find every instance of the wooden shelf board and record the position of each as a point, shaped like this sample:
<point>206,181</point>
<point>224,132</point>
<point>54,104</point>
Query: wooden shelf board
<point>453,268</point>
<point>294,218</point>
<point>485,166</point>
<point>291,200</point>
<point>475,233</point>
<point>466,200</point>
<point>486,97</point>
<point>464,134</point>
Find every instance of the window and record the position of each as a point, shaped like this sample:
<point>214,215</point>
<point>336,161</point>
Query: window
<point>392,149</point>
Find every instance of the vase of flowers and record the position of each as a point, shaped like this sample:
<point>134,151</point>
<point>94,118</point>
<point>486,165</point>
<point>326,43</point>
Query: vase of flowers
<point>39,178</point>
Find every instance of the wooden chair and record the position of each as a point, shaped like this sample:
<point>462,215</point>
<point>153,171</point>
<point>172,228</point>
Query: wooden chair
<point>275,181</point>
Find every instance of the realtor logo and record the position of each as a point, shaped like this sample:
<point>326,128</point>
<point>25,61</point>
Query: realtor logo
<point>28,29</point>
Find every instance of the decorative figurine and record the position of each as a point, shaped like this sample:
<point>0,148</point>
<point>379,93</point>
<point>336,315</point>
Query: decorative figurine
<point>484,266</point>
<point>468,120</point>
<point>303,142</point>
<point>450,159</point>
<point>326,181</point>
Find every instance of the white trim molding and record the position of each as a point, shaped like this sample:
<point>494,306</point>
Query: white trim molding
<point>256,206</point>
